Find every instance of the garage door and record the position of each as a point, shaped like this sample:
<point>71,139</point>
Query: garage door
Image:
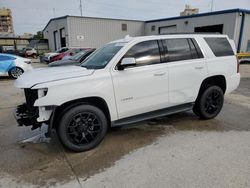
<point>168,29</point>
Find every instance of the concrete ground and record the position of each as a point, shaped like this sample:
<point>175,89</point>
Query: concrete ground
<point>175,151</point>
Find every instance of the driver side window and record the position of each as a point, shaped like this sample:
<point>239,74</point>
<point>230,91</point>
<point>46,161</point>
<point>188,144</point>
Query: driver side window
<point>145,53</point>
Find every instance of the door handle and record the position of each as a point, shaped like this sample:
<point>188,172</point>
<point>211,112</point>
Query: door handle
<point>159,74</point>
<point>199,68</point>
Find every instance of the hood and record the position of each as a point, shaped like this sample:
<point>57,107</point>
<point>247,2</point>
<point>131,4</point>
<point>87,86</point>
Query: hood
<point>43,75</point>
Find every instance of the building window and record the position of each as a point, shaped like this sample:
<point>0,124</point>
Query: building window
<point>124,27</point>
<point>153,28</point>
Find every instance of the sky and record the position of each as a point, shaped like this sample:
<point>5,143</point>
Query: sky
<point>30,16</point>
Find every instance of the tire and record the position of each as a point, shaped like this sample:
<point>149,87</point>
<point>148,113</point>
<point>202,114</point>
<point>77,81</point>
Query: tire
<point>82,128</point>
<point>15,72</point>
<point>209,103</point>
<point>34,56</point>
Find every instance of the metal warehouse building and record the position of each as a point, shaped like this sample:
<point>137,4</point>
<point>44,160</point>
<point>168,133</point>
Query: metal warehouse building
<point>91,32</point>
<point>76,31</point>
<point>235,23</point>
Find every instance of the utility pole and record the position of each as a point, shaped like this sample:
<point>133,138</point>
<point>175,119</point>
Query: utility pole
<point>81,7</point>
<point>54,12</point>
<point>212,5</point>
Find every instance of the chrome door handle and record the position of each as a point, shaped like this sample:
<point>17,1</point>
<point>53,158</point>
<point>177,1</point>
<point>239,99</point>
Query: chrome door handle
<point>159,74</point>
<point>199,68</point>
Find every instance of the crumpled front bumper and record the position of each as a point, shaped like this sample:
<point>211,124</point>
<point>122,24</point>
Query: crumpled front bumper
<point>24,117</point>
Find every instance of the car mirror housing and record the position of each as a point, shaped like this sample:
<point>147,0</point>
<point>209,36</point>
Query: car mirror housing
<point>126,62</point>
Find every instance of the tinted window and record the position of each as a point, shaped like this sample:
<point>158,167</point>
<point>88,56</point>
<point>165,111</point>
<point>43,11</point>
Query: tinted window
<point>177,49</point>
<point>145,53</point>
<point>219,46</point>
<point>195,49</point>
<point>101,57</point>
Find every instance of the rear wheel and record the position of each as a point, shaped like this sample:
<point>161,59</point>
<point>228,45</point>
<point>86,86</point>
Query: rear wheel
<point>82,128</point>
<point>209,103</point>
<point>15,72</point>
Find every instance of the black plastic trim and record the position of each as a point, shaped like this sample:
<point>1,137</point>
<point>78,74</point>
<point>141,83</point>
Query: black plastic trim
<point>153,114</point>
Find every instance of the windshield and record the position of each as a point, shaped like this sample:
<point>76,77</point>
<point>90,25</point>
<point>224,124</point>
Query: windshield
<point>77,56</point>
<point>101,57</point>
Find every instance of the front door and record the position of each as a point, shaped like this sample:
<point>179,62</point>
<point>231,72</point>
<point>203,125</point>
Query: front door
<point>144,87</point>
<point>6,63</point>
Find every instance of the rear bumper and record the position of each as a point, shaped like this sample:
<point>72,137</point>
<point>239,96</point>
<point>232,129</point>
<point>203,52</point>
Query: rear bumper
<point>27,118</point>
<point>233,82</point>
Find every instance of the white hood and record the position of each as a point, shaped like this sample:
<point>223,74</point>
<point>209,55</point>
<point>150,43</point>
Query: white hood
<point>43,75</point>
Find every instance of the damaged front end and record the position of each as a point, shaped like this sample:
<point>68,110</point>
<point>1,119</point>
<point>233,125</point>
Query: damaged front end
<point>28,114</point>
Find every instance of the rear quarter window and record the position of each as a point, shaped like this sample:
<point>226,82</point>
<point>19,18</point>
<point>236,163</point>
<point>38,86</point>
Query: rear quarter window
<point>220,46</point>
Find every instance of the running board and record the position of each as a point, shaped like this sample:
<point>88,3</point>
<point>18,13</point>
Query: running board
<point>153,114</point>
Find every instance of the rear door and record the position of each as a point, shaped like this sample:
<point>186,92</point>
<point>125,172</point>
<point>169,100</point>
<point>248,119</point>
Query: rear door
<point>187,69</point>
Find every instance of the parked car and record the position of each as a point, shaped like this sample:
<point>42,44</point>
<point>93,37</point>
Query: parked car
<point>13,66</point>
<point>69,53</point>
<point>128,81</point>
<point>47,56</point>
<point>30,52</point>
<point>245,60</point>
<point>77,59</point>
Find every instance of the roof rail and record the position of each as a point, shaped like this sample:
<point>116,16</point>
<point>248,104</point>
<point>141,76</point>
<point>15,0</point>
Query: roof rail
<point>194,33</point>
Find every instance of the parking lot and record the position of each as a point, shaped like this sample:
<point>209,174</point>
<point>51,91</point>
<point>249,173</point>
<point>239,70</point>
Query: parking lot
<point>175,151</point>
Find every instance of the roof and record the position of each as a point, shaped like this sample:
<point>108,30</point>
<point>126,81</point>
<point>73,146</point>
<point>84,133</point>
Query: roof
<point>202,14</point>
<point>64,17</point>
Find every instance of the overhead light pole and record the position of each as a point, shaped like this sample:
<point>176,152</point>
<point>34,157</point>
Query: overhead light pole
<point>81,7</point>
<point>212,5</point>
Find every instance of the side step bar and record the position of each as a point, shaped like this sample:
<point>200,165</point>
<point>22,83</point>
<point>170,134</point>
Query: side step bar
<point>153,114</point>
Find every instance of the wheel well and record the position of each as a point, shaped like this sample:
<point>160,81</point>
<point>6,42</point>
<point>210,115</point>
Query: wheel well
<point>95,101</point>
<point>218,80</point>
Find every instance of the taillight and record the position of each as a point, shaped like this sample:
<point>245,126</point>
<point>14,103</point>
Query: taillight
<point>238,64</point>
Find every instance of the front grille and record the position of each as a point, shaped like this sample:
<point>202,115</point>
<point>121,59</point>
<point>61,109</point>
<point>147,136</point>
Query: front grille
<point>31,96</point>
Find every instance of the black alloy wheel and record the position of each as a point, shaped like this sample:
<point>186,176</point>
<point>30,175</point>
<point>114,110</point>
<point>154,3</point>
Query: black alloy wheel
<point>209,103</point>
<point>82,127</point>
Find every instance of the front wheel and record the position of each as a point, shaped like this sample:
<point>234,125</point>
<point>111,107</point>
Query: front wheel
<point>209,103</point>
<point>82,128</point>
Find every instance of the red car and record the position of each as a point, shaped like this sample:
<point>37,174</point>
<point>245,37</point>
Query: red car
<point>70,52</point>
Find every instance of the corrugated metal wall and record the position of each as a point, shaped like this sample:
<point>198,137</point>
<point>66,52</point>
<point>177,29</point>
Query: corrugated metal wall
<point>55,25</point>
<point>95,32</point>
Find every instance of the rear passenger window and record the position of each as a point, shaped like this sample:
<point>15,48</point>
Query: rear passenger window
<point>145,53</point>
<point>219,46</point>
<point>177,49</point>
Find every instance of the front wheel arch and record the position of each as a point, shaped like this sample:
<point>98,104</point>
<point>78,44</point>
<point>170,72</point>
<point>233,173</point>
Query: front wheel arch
<point>95,101</point>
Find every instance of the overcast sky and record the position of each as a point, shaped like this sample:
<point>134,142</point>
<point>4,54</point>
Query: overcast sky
<point>31,16</point>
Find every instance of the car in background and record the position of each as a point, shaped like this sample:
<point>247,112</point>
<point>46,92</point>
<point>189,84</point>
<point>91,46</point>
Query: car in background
<point>13,66</point>
<point>245,60</point>
<point>77,59</point>
<point>71,52</point>
<point>47,56</point>
<point>30,52</point>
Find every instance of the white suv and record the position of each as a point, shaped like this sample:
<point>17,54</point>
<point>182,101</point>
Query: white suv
<point>127,81</point>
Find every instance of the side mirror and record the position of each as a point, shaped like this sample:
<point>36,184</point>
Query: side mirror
<point>126,62</point>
